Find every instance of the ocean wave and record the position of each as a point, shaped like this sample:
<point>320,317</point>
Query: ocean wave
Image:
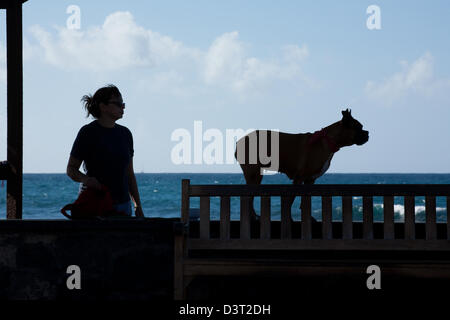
<point>400,209</point>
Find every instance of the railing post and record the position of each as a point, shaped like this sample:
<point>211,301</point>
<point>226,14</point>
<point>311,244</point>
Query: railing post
<point>410,218</point>
<point>225,218</point>
<point>430,212</point>
<point>265,218</point>
<point>306,218</point>
<point>388,214</point>
<point>327,224</point>
<point>347,218</point>
<point>185,200</point>
<point>368,217</point>
<point>245,218</point>
<point>286,217</point>
<point>204,217</point>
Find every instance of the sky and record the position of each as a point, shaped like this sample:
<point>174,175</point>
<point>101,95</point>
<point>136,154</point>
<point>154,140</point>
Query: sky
<point>292,66</point>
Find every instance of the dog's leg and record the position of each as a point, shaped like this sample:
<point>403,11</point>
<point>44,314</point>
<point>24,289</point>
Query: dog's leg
<point>292,199</point>
<point>252,175</point>
<point>308,182</point>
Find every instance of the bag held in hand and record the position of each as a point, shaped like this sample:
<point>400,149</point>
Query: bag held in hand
<point>92,203</point>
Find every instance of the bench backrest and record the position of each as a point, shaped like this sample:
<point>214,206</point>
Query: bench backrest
<point>326,192</point>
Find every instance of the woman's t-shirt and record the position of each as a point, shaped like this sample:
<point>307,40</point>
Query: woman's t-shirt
<point>106,153</point>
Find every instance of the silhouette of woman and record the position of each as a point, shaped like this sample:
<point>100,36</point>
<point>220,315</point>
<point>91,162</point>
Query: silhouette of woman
<point>107,151</point>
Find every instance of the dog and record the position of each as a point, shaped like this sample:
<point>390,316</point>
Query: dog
<point>303,157</point>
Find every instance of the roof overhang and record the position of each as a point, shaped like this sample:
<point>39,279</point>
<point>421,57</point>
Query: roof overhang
<point>5,4</point>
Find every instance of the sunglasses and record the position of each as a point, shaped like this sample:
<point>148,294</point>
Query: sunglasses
<point>117,103</point>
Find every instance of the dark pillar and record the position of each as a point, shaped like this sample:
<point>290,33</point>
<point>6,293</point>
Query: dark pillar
<point>14,108</point>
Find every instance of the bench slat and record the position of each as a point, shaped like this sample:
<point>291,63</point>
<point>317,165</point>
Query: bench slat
<point>347,218</point>
<point>327,230</point>
<point>320,190</point>
<point>410,218</point>
<point>204,217</point>
<point>286,232</point>
<point>245,218</point>
<point>265,218</point>
<point>368,217</point>
<point>306,218</point>
<point>319,244</point>
<point>388,212</point>
<point>430,211</point>
<point>241,268</point>
<point>225,218</point>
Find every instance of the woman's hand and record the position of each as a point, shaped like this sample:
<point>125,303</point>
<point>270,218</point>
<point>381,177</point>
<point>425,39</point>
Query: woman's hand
<point>138,211</point>
<point>92,182</point>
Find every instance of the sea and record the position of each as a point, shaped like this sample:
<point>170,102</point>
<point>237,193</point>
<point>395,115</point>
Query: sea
<point>45,194</point>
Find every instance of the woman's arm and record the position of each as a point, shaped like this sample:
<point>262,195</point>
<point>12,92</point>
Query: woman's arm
<point>134,192</point>
<point>73,171</point>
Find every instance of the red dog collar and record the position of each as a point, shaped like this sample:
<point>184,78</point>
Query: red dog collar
<point>321,134</point>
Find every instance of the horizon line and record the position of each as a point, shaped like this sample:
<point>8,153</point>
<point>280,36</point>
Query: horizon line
<point>166,172</point>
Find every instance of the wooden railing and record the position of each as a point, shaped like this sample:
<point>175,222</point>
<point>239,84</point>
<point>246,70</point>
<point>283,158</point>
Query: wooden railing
<point>306,241</point>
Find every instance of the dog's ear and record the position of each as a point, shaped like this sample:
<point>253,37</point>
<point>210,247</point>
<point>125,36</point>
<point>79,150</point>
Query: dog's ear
<point>346,112</point>
<point>346,116</point>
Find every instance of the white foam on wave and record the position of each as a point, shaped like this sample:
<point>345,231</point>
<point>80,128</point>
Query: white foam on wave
<point>400,209</point>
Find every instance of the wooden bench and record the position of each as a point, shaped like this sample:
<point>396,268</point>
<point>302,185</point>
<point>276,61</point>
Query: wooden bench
<point>406,247</point>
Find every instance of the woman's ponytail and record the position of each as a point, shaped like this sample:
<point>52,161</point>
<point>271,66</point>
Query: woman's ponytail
<point>92,108</point>
<point>92,103</point>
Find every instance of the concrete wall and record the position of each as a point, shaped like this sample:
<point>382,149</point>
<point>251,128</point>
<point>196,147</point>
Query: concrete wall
<point>121,259</point>
<point>133,260</point>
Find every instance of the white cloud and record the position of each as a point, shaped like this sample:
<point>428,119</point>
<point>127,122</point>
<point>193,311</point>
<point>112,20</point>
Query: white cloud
<point>227,63</point>
<point>295,54</point>
<point>224,58</point>
<point>415,78</point>
<point>120,43</point>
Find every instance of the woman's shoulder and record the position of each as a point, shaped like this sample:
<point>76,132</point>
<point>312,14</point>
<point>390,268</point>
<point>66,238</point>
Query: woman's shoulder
<point>123,129</point>
<point>88,128</point>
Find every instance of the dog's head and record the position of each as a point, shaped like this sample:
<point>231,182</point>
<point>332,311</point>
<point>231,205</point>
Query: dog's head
<point>352,130</point>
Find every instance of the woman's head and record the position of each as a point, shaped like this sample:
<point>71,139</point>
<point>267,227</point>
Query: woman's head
<point>106,101</point>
